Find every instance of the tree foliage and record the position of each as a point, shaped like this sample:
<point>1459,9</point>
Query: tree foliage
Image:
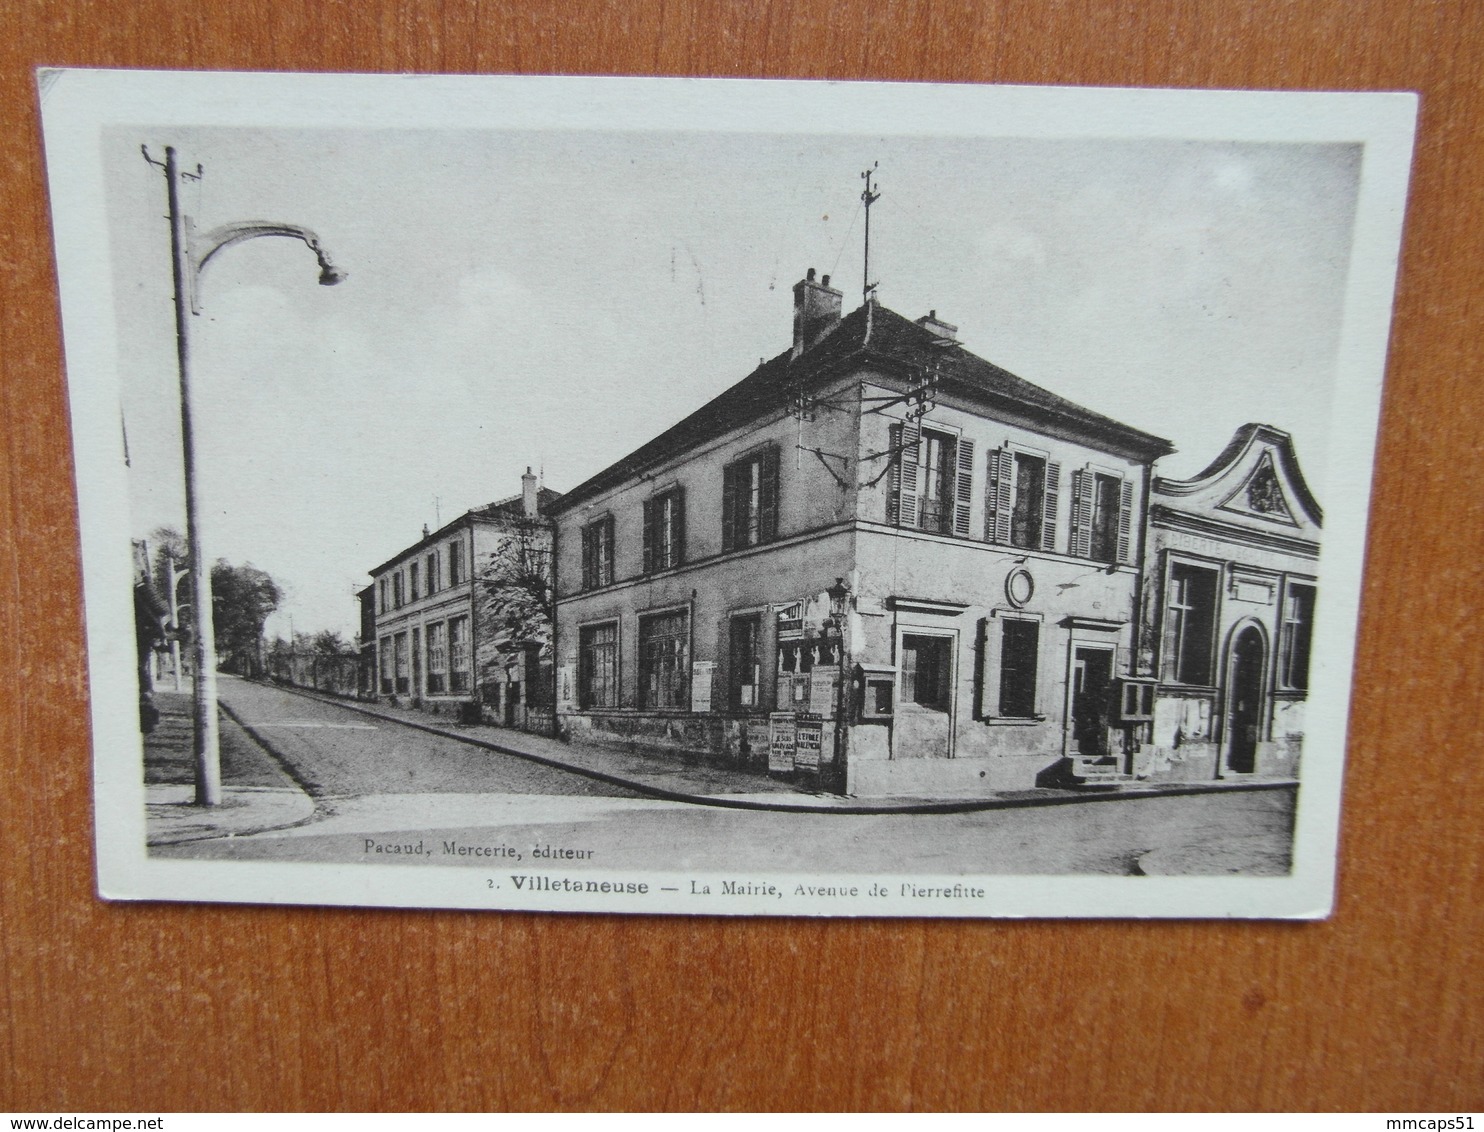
<point>241,599</point>
<point>519,599</point>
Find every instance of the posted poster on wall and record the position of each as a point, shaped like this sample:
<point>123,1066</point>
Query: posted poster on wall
<point>696,497</point>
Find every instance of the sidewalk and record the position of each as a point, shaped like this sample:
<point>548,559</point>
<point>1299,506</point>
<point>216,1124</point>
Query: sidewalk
<point>668,777</point>
<point>257,795</point>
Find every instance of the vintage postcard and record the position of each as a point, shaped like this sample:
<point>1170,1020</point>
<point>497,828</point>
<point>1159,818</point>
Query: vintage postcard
<point>721,497</point>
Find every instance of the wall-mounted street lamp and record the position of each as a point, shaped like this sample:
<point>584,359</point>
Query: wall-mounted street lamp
<point>190,252</point>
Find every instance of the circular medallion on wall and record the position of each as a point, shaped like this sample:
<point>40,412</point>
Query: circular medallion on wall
<point>1020,587</point>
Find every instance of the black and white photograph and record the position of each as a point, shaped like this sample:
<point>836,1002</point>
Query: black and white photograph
<point>719,497</point>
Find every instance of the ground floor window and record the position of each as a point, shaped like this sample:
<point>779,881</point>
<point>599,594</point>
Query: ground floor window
<point>387,686</point>
<point>664,662</point>
<point>1190,624</point>
<point>437,658</point>
<point>1020,647</point>
<point>597,666</point>
<point>458,654</point>
<point>927,665</point>
<point>745,668</point>
<point>1298,636</point>
<point>399,660</point>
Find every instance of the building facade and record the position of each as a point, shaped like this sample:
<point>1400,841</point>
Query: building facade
<point>441,639</point>
<point>1227,623</point>
<point>878,559</point>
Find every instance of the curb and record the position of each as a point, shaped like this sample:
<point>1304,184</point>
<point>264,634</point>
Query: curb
<point>969,805</point>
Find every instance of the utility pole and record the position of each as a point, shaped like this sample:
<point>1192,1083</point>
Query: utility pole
<point>206,743</point>
<point>189,253</point>
<point>869,198</point>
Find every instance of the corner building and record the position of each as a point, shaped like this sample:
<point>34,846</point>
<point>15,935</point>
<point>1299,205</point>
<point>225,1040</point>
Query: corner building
<point>878,502</point>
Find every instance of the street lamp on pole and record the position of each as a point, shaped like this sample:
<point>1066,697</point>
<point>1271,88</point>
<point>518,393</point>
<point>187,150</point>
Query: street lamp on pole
<point>190,252</point>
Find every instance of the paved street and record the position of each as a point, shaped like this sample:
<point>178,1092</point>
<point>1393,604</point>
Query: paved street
<point>378,781</point>
<point>336,753</point>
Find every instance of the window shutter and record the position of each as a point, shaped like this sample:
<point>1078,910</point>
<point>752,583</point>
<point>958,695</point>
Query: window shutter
<point>678,532</point>
<point>1125,520</point>
<point>963,484</point>
<point>649,536</point>
<point>728,507</point>
<point>768,493</point>
<point>907,471</point>
<point>1081,540</point>
<point>1001,467</point>
<point>894,484</point>
<point>1049,503</point>
<point>589,559</point>
<point>607,569</point>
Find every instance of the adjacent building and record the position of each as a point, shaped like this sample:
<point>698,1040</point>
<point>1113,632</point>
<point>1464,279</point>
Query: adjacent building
<point>1227,623</point>
<point>877,558</point>
<point>446,637</point>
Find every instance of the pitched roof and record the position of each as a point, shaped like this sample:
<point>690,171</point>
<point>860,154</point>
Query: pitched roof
<point>873,334</point>
<point>512,507</point>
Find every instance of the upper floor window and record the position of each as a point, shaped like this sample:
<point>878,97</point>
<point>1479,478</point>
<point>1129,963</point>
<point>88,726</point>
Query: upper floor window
<point>1190,624</point>
<point>1298,637</point>
<point>749,500</point>
<point>455,562</point>
<point>931,480</point>
<point>412,587</point>
<point>381,596</point>
<point>1021,499</point>
<point>597,553</point>
<point>664,530</point>
<point>398,591</point>
<point>432,572</point>
<point>1102,516</point>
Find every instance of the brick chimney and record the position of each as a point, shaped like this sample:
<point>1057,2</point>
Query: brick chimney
<point>528,493</point>
<point>816,311</point>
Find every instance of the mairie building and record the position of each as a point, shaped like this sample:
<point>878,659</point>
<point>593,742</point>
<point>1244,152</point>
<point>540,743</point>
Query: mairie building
<point>883,561</point>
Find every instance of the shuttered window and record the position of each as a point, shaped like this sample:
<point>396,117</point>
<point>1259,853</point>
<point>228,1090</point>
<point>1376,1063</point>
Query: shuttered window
<point>1021,499</point>
<point>749,500</point>
<point>932,481</point>
<point>963,487</point>
<point>901,504</point>
<point>1102,516</point>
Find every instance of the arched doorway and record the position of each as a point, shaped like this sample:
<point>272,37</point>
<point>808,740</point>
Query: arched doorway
<point>1244,699</point>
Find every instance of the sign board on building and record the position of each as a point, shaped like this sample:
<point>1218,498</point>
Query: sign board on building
<point>808,740</point>
<point>757,737</point>
<point>781,729</point>
<point>700,684</point>
<point>565,686</point>
<point>824,685</point>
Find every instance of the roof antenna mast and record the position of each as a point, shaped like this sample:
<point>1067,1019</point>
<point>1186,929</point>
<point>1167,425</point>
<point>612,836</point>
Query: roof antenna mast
<point>869,198</point>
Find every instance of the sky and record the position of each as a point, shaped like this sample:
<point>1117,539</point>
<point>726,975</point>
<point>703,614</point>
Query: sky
<point>556,298</point>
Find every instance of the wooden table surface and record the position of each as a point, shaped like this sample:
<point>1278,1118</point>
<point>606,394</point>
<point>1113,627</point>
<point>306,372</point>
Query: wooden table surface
<point>115,1007</point>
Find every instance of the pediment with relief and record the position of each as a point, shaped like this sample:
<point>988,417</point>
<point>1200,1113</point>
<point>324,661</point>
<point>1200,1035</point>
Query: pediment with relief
<point>1262,494</point>
<point>1256,478</point>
